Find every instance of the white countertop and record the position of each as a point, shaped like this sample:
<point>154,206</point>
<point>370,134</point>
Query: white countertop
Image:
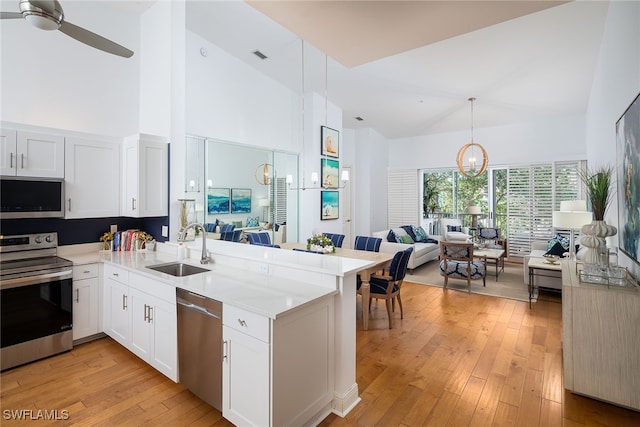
<point>250,290</point>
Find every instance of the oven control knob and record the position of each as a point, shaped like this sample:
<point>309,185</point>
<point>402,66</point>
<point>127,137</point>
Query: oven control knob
<point>39,239</point>
<point>50,238</point>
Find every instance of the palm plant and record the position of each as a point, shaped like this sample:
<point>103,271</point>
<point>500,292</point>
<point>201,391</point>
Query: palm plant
<point>599,187</point>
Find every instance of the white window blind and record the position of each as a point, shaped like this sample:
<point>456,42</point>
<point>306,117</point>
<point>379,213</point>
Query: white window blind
<point>534,192</point>
<point>280,201</point>
<point>403,198</point>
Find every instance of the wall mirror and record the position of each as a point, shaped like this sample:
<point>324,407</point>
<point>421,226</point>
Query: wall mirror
<point>242,184</point>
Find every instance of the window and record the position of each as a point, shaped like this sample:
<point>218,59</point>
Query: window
<point>519,200</point>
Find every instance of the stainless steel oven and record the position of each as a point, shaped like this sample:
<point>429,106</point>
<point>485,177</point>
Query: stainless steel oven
<point>35,297</point>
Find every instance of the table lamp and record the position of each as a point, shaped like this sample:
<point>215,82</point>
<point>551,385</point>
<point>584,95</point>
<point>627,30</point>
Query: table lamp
<point>474,211</point>
<point>573,215</point>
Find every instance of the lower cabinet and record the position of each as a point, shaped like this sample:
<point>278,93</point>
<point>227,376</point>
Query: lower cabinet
<point>141,315</point>
<point>278,371</point>
<point>86,300</point>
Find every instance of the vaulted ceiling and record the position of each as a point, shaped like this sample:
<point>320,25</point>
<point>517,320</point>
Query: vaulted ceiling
<point>408,67</point>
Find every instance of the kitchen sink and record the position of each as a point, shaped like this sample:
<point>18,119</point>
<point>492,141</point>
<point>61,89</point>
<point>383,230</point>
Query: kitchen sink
<point>178,269</point>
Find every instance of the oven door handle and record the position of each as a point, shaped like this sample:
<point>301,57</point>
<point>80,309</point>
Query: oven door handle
<point>40,278</point>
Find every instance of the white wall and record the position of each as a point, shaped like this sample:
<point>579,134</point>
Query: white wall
<point>561,138</point>
<point>49,79</point>
<point>616,84</point>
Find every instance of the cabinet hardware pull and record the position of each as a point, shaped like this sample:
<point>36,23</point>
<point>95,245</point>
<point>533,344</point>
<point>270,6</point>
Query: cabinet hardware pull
<point>78,295</point>
<point>224,350</point>
<point>115,274</point>
<point>87,271</point>
<point>242,322</point>
<point>133,204</point>
<point>150,317</point>
<point>124,302</point>
<point>146,316</point>
<point>11,160</point>
<point>69,204</point>
<point>22,160</point>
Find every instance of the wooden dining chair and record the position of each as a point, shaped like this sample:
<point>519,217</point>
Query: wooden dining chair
<point>387,287</point>
<point>456,262</point>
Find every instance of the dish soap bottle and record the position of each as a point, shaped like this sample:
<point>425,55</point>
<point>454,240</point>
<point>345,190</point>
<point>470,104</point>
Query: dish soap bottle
<point>181,251</point>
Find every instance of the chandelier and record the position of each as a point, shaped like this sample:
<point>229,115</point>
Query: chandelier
<point>472,168</point>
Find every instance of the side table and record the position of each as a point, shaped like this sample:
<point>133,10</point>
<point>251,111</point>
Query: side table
<point>537,268</point>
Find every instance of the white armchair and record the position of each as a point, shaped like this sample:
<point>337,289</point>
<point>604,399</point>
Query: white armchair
<point>454,236</point>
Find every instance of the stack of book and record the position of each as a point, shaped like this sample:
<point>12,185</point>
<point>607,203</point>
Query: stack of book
<point>125,240</point>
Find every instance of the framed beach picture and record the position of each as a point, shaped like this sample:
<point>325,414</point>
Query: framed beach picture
<point>240,200</point>
<point>218,201</point>
<point>329,204</point>
<point>330,171</point>
<point>628,166</point>
<point>330,141</point>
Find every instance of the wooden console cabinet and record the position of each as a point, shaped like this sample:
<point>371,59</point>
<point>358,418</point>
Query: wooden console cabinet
<point>601,340</point>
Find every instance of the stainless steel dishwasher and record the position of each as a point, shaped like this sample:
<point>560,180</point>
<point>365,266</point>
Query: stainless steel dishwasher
<point>200,346</point>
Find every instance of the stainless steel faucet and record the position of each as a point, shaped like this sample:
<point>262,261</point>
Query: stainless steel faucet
<point>204,259</point>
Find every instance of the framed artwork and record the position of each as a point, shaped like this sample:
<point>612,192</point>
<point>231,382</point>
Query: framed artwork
<point>218,201</point>
<point>240,200</point>
<point>330,171</point>
<point>628,169</point>
<point>329,205</point>
<point>330,141</point>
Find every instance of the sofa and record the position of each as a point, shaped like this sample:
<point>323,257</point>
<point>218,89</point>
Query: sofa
<point>454,236</point>
<point>422,251</point>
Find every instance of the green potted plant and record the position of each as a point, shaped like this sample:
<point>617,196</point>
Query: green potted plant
<point>598,185</point>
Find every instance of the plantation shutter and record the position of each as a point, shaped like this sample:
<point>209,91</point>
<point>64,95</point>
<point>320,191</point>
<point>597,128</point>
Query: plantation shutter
<point>280,201</point>
<point>403,198</point>
<point>534,192</point>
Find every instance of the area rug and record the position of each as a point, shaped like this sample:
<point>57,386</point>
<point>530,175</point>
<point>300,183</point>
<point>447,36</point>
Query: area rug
<point>510,283</point>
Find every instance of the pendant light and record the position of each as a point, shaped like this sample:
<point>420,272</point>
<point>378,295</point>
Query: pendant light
<point>470,168</point>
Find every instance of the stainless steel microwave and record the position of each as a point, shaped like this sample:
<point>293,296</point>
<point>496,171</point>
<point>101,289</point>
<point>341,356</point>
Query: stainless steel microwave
<point>28,197</point>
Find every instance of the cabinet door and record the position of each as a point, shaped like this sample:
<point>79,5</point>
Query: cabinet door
<point>245,379</point>
<point>165,339</point>
<point>92,178</point>
<point>141,327</point>
<point>85,307</point>
<point>116,309</point>
<point>145,186</point>
<point>40,155</point>
<point>8,153</point>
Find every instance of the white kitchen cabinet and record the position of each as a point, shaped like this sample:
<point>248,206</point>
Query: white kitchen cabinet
<point>143,318</point>
<point>31,154</point>
<point>86,309</point>
<point>145,176</point>
<point>92,178</point>
<point>265,360</point>
<point>116,321</point>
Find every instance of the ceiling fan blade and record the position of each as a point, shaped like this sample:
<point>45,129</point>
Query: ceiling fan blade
<point>94,40</point>
<point>10,15</point>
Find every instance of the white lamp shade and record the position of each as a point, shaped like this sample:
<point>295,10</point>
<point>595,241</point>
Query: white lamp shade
<point>345,176</point>
<point>474,210</point>
<point>263,202</point>
<point>573,205</point>
<point>289,179</point>
<point>571,220</point>
<point>314,177</point>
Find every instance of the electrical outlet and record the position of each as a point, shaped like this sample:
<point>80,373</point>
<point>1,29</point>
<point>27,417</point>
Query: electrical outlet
<point>165,231</point>
<point>114,228</point>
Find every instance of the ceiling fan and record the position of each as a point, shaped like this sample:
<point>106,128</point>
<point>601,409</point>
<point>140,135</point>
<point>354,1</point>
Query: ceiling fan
<point>48,15</point>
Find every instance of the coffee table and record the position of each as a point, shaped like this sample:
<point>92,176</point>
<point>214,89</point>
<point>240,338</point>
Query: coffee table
<point>493,257</point>
<point>541,265</point>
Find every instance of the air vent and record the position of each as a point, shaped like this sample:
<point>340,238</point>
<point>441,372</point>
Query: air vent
<point>358,118</point>
<point>259,54</point>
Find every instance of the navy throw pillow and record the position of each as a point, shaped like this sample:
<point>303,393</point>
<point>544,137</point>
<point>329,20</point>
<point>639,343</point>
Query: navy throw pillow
<point>454,228</point>
<point>556,249</point>
<point>391,237</point>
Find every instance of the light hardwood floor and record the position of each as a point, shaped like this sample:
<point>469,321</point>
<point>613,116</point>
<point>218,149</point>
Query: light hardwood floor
<point>455,359</point>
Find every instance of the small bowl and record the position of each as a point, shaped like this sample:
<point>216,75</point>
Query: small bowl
<point>551,259</point>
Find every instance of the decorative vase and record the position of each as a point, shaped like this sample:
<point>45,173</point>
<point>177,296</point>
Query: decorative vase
<point>594,239</point>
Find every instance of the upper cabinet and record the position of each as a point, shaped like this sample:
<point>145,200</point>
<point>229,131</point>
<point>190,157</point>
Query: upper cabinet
<point>92,178</point>
<point>145,184</point>
<point>31,154</point>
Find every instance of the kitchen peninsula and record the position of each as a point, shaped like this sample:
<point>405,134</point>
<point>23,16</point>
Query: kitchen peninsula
<point>307,304</point>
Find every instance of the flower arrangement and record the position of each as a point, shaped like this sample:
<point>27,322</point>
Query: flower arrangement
<point>320,243</point>
<point>144,237</point>
<point>106,239</point>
